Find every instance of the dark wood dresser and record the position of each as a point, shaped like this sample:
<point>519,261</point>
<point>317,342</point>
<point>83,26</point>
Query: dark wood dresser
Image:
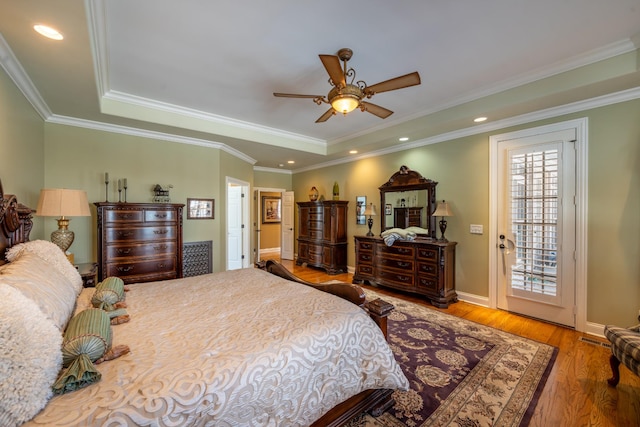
<point>139,242</point>
<point>423,266</point>
<point>322,235</point>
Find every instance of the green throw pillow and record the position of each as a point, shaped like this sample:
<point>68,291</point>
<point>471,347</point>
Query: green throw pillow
<point>86,339</point>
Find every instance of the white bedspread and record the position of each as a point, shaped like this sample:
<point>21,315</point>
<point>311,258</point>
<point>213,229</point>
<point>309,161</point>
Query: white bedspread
<point>231,349</point>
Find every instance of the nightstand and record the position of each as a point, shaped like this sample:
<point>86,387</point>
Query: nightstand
<point>88,273</point>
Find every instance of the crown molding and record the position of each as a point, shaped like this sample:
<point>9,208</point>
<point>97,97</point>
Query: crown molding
<point>575,107</point>
<point>14,70</point>
<point>272,170</point>
<point>126,130</point>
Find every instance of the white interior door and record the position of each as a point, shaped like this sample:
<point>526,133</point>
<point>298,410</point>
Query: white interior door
<point>536,226</point>
<point>286,245</point>
<point>237,217</point>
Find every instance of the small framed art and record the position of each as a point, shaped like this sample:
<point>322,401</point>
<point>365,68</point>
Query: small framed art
<point>271,209</point>
<point>200,208</point>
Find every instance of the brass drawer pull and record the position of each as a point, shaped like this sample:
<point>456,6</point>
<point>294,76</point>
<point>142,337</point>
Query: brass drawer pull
<point>125,269</point>
<point>125,233</point>
<point>162,265</point>
<point>165,231</point>
<point>403,264</point>
<point>123,251</point>
<point>161,215</point>
<point>125,216</point>
<point>160,247</point>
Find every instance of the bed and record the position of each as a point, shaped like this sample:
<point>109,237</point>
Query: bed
<point>246,347</point>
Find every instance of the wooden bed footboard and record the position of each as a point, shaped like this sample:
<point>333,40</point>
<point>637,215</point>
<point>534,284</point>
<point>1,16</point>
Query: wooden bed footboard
<point>373,401</point>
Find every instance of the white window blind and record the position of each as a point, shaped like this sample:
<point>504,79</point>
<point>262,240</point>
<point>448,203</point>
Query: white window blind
<point>534,214</point>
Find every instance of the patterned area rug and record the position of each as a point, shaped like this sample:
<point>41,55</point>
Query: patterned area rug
<point>461,373</point>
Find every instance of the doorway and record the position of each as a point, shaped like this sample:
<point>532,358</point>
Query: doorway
<point>538,183</point>
<point>237,218</point>
<point>274,239</point>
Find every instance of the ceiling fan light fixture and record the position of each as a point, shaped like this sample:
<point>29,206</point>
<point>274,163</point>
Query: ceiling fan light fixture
<point>345,104</point>
<point>346,99</point>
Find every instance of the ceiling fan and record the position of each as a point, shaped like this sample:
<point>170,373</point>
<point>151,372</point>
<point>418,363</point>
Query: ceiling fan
<point>345,96</point>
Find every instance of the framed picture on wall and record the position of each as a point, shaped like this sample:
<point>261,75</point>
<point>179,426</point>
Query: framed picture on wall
<point>200,208</point>
<point>271,209</point>
<point>361,205</point>
<point>387,209</point>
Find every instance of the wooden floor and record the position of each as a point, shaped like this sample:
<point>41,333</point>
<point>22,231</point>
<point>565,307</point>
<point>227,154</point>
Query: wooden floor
<point>576,393</point>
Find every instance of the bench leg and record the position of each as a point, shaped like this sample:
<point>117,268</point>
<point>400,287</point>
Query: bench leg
<point>615,368</point>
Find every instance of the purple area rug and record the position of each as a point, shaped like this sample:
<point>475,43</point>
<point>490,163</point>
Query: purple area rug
<point>461,373</point>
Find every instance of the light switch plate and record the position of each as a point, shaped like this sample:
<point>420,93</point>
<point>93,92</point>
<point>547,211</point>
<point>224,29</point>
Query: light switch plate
<point>475,229</point>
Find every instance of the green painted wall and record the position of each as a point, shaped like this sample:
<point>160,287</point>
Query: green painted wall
<point>461,167</point>
<point>78,158</point>
<point>272,179</point>
<point>21,148</point>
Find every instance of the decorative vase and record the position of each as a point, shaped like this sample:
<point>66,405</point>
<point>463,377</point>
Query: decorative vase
<point>313,194</point>
<point>336,191</point>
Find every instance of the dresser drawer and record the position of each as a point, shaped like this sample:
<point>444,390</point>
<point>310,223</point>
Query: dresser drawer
<point>167,232</point>
<point>404,251</point>
<point>428,253</point>
<point>364,246</point>
<point>397,263</point>
<point>122,216</point>
<point>156,266</point>
<point>365,257</point>
<point>141,250</point>
<point>427,268</point>
<point>429,284</point>
<point>315,234</point>
<point>315,254</point>
<point>153,215</point>
<point>399,278</point>
<point>364,270</point>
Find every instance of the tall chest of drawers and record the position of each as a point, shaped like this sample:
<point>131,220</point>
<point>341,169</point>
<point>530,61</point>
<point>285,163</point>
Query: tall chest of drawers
<point>139,242</point>
<point>422,266</point>
<point>322,235</point>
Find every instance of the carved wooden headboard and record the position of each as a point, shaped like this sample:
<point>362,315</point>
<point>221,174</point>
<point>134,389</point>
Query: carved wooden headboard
<point>15,222</point>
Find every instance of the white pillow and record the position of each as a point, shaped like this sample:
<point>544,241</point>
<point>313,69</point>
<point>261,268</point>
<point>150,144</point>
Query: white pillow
<point>52,292</point>
<point>30,357</point>
<point>51,253</point>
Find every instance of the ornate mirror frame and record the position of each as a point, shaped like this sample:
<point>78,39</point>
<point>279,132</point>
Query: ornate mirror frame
<point>408,180</point>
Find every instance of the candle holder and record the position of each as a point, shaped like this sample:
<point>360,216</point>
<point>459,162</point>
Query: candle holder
<point>119,195</point>
<point>106,187</point>
<point>125,190</point>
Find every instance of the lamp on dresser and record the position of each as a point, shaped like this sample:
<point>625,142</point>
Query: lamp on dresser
<point>443,211</point>
<point>62,203</point>
<point>370,211</point>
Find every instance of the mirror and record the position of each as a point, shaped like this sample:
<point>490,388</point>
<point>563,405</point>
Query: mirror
<point>406,200</point>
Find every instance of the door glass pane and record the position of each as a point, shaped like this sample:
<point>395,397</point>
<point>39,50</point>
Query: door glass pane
<point>534,218</point>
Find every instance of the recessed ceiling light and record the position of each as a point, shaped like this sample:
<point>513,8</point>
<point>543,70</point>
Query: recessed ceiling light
<point>281,165</point>
<point>403,139</point>
<point>291,162</point>
<point>479,119</point>
<point>48,32</point>
<point>353,152</point>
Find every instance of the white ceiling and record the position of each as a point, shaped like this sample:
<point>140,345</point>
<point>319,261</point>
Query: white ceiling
<point>205,71</point>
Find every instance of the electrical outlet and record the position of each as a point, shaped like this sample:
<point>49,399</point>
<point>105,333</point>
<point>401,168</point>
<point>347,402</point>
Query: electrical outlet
<point>475,229</point>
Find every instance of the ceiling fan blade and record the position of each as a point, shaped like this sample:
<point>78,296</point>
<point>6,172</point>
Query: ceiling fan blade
<point>332,65</point>
<point>295,95</point>
<point>376,110</point>
<point>407,80</point>
<point>323,118</point>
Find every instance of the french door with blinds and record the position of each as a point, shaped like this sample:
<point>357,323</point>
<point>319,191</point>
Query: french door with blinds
<point>536,226</point>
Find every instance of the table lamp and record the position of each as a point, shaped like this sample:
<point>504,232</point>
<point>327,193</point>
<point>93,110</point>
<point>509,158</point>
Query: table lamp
<point>371,211</point>
<point>443,211</point>
<point>62,203</point>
